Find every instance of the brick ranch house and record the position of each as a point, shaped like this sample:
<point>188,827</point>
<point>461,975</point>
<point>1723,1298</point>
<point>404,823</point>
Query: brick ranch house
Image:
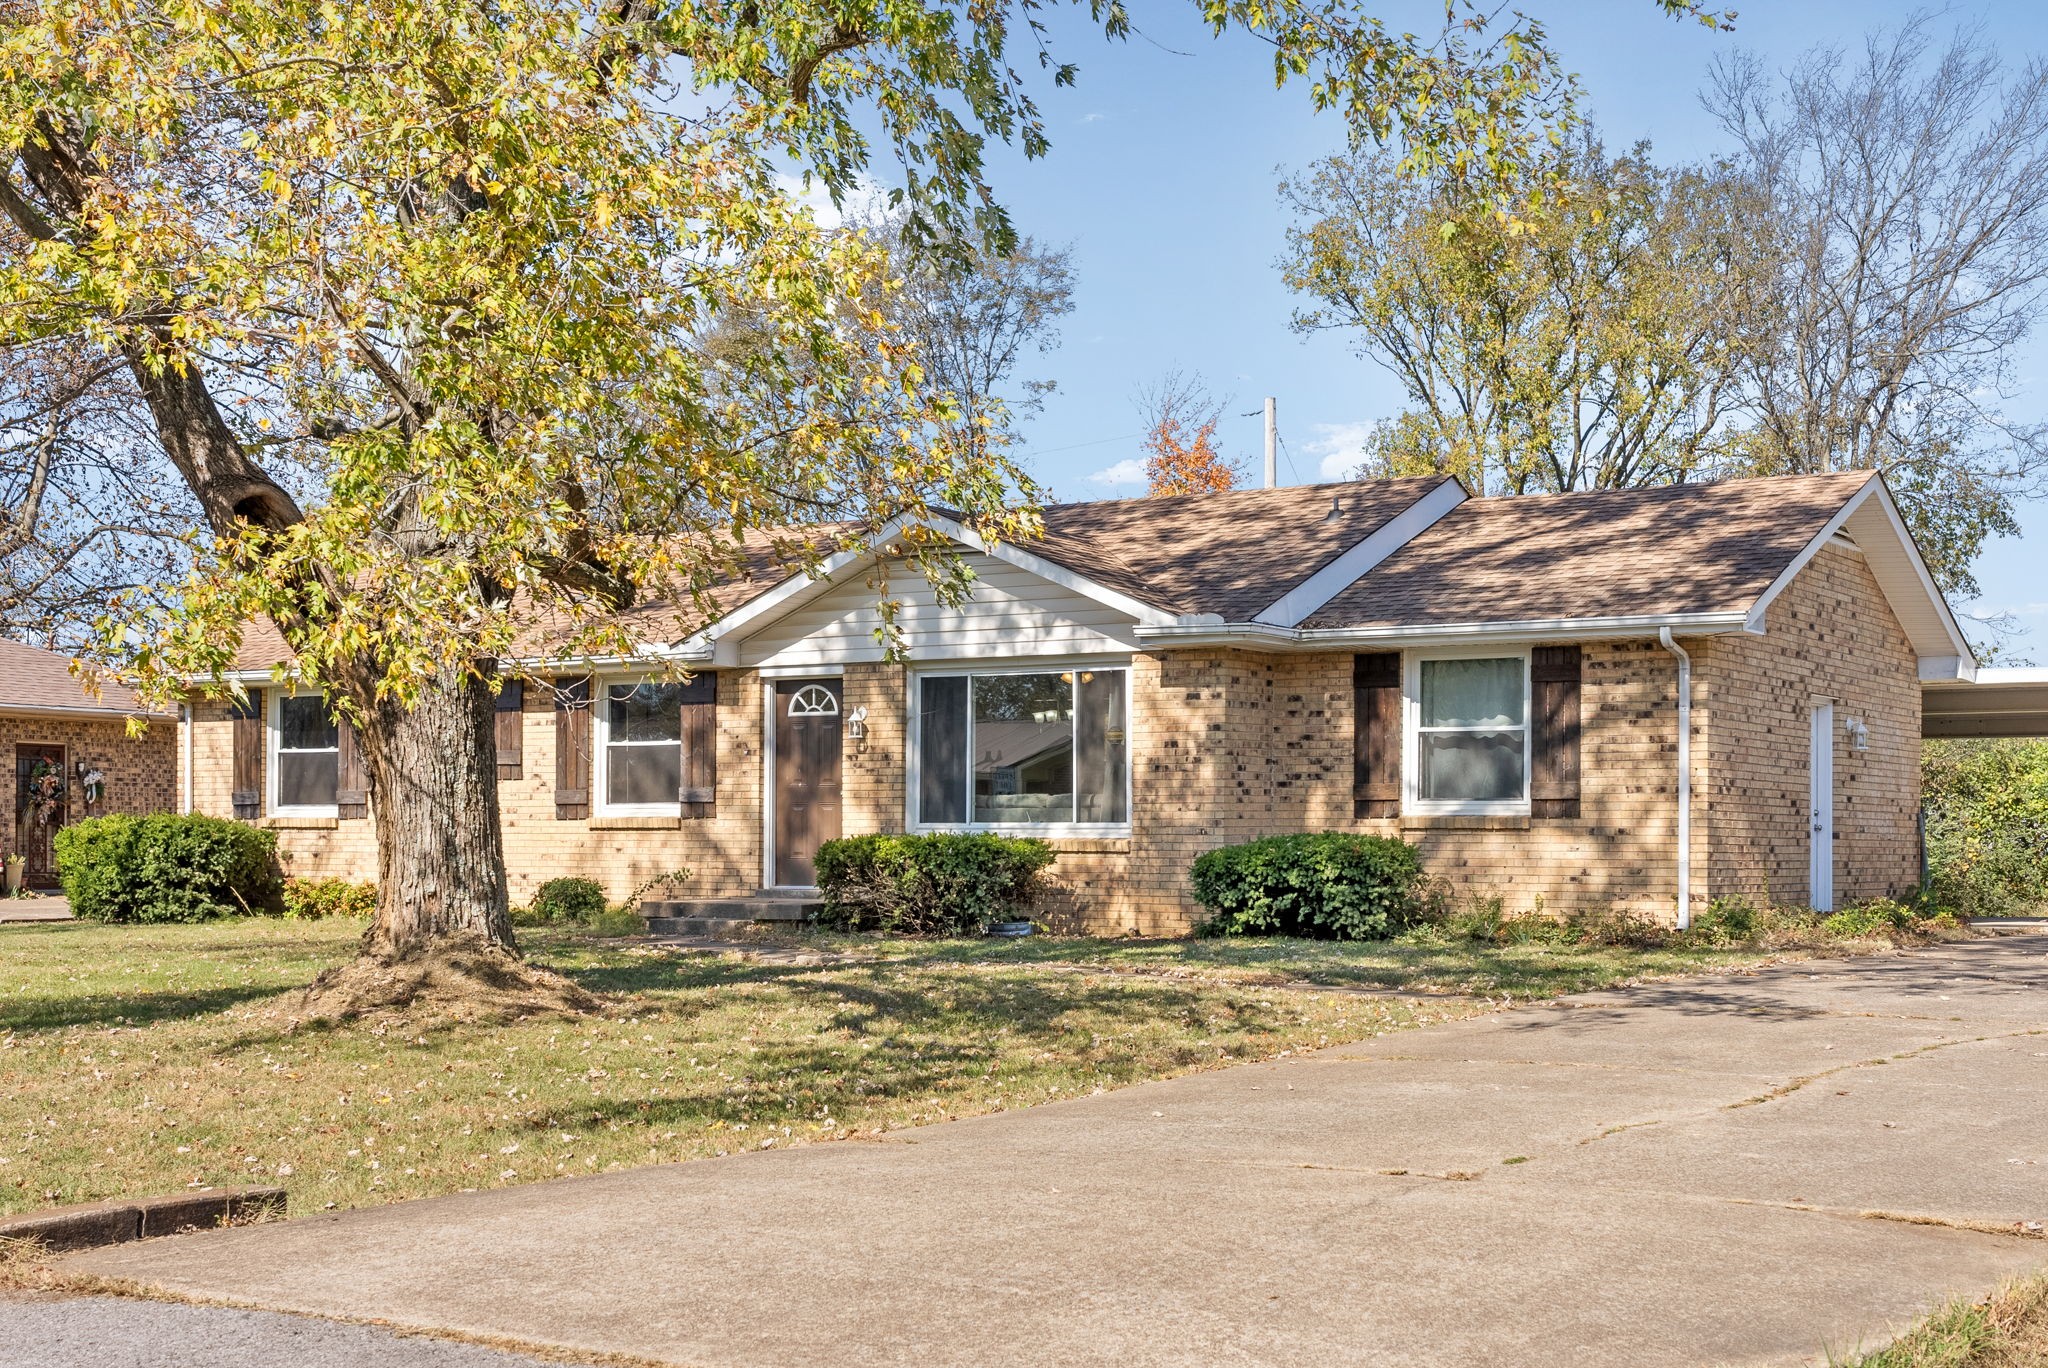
<point>50,723</point>
<point>1503,681</point>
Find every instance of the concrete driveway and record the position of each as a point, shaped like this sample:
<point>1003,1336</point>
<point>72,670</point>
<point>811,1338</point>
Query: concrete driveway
<point>1734,1170</point>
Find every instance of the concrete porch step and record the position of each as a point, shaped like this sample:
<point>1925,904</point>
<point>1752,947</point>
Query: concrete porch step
<point>718,928</point>
<point>709,916</point>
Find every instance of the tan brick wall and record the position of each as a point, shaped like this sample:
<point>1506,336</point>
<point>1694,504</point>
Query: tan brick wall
<point>1240,745</point>
<point>872,771</point>
<point>1830,634</point>
<point>723,851</point>
<point>141,774</point>
<point>1227,745</point>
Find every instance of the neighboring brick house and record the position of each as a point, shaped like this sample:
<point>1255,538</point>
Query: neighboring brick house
<point>54,736</point>
<point>1496,680</point>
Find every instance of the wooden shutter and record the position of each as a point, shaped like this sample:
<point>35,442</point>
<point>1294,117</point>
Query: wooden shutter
<point>572,750</point>
<point>1376,735</point>
<point>510,728</point>
<point>1554,713</point>
<point>351,788</point>
<point>247,789</point>
<point>700,746</point>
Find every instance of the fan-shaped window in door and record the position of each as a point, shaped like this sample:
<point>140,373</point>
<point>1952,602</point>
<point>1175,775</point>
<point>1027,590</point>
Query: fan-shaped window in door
<point>813,700</point>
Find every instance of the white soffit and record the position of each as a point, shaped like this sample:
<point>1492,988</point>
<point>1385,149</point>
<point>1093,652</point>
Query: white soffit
<point>1296,606</point>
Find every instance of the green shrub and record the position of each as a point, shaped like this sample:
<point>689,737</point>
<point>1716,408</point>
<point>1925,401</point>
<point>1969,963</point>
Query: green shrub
<point>1329,885</point>
<point>166,868</point>
<point>312,899</point>
<point>1987,825</point>
<point>943,884</point>
<point>1875,917</point>
<point>565,900</point>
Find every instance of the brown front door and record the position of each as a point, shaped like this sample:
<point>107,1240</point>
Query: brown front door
<point>36,816</point>
<point>807,732</point>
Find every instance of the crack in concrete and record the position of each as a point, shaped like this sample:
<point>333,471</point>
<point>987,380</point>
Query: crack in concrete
<point>1786,1089</point>
<point>2012,1230</point>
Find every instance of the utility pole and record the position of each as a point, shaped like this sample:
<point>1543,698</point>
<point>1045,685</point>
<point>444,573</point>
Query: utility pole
<point>1272,442</point>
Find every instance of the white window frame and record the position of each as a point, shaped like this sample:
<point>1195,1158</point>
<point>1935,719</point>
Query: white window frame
<point>913,742</point>
<point>601,753</point>
<point>1412,800</point>
<point>273,732</point>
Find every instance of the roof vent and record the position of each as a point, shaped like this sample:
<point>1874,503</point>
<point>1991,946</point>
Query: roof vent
<point>1336,507</point>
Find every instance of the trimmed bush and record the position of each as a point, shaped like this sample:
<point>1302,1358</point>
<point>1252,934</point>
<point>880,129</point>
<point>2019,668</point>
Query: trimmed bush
<point>562,900</point>
<point>943,884</point>
<point>313,899</point>
<point>1327,885</point>
<point>166,868</point>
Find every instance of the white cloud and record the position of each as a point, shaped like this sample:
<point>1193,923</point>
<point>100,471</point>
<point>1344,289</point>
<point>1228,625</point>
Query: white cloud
<point>1095,116</point>
<point>1130,471</point>
<point>867,195</point>
<point>1339,448</point>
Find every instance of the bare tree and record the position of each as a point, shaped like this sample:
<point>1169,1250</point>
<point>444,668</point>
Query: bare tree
<point>87,516</point>
<point>974,316</point>
<point>1909,192</point>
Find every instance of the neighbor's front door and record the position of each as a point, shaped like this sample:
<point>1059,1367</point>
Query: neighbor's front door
<point>807,750</point>
<point>34,829</point>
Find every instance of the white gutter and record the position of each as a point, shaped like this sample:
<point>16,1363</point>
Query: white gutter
<point>185,758</point>
<point>1684,776</point>
<point>1258,635</point>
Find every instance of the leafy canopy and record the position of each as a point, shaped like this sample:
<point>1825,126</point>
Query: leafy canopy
<point>427,301</point>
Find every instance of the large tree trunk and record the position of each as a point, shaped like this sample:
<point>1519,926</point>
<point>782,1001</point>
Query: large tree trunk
<point>433,777</point>
<point>442,942</point>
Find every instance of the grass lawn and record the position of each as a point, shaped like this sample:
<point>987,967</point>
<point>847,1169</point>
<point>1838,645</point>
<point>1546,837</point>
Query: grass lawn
<point>145,1059</point>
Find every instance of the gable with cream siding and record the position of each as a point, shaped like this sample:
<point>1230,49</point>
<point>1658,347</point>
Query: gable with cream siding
<point>1011,612</point>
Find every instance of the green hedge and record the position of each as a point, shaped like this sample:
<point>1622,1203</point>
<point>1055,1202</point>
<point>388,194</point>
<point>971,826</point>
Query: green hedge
<point>938,885</point>
<point>1328,885</point>
<point>569,900</point>
<point>166,868</point>
<point>316,899</point>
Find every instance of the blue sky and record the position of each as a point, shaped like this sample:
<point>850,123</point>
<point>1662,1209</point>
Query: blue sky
<point>1162,179</point>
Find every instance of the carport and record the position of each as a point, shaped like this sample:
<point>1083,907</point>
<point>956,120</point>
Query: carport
<point>1997,702</point>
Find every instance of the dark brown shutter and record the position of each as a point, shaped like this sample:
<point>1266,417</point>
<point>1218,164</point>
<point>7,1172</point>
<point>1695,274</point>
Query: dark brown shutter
<point>572,750</point>
<point>1376,735</point>
<point>248,780</point>
<point>1554,708</point>
<point>351,789</point>
<point>510,728</point>
<point>700,746</point>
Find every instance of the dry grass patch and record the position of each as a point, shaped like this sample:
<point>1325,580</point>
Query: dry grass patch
<point>149,1059</point>
<point>2008,1329</point>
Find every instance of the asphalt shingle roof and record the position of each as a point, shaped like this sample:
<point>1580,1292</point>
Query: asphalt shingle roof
<point>1680,549</point>
<point>34,680</point>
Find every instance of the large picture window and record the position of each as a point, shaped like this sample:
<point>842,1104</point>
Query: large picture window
<point>1023,749</point>
<point>1470,740</point>
<point>308,756</point>
<point>643,746</point>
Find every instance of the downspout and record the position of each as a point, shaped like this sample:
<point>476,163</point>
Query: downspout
<point>1684,776</point>
<point>185,759</point>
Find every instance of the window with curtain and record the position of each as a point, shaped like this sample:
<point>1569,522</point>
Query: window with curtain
<point>1039,749</point>
<point>1472,731</point>
<point>308,753</point>
<point>643,745</point>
